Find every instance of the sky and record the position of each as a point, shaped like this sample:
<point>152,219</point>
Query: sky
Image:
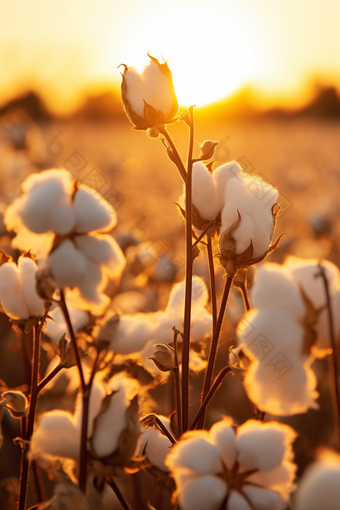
<point>67,49</point>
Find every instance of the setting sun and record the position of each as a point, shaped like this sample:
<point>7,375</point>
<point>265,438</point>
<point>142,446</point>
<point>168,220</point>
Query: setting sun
<point>201,73</point>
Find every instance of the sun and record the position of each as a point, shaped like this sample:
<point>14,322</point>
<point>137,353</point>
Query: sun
<point>209,57</point>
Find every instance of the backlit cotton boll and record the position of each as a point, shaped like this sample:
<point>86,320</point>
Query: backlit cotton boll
<point>252,464</point>
<point>51,203</point>
<point>320,484</point>
<point>155,445</point>
<point>304,272</point>
<point>247,221</point>
<point>18,297</point>
<point>279,379</point>
<point>149,96</point>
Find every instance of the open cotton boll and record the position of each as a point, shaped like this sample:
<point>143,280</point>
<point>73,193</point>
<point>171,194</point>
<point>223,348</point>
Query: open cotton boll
<point>275,287</point>
<point>279,380</point>
<point>237,502</point>
<point>195,453</point>
<point>222,175</point>
<point>203,192</point>
<point>257,220</point>
<point>92,282</point>
<point>12,298</point>
<point>319,487</point>
<point>112,421</point>
<point>55,436</point>
<point>159,88</point>
<point>67,264</point>
<point>204,493</point>
<point>104,251</point>
<point>223,435</point>
<point>92,213</point>
<point>62,219</point>
<point>262,445</point>
<point>27,270</point>
<point>304,270</point>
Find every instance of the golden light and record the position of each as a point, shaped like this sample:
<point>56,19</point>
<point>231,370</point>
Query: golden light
<point>208,57</point>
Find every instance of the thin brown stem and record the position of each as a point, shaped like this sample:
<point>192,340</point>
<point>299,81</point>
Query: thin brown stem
<point>333,365</point>
<point>64,309</point>
<point>214,387</point>
<point>212,283</point>
<point>188,280</point>
<point>177,158</point>
<point>214,343</point>
<point>177,387</point>
<point>200,237</point>
<point>117,492</point>
<point>49,377</point>
<point>244,291</point>
<point>31,413</point>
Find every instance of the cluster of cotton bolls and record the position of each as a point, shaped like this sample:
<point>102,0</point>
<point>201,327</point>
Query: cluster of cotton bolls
<point>225,197</point>
<point>64,224</point>
<point>284,332</point>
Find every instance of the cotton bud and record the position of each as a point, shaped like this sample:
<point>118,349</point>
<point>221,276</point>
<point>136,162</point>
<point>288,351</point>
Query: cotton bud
<point>15,402</point>
<point>65,352</point>
<point>207,149</point>
<point>165,358</point>
<point>149,98</point>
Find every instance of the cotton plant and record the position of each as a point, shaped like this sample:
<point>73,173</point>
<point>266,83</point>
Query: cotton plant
<point>234,468</point>
<point>68,225</point>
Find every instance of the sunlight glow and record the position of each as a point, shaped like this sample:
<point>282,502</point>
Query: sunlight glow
<point>202,72</point>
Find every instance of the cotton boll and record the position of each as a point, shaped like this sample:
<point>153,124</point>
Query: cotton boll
<point>275,287</point>
<point>91,213</point>
<point>67,264</point>
<point>27,270</point>
<point>204,493</point>
<point>104,251</point>
<point>97,395</point>
<point>136,94</point>
<point>237,502</point>
<point>221,176</point>
<point>320,486</point>
<point>264,499</point>
<point>156,447</point>
<point>203,192</point>
<point>12,298</point>
<point>55,436</point>
<point>159,88</point>
<point>279,379</point>
<point>262,445</point>
<point>195,453</point>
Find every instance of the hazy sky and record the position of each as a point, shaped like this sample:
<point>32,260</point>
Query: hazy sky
<point>64,49</point>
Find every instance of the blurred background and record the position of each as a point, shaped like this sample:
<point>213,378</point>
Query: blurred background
<point>265,79</point>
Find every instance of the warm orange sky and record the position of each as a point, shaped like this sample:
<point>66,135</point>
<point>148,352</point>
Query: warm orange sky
<point>64,49</point>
